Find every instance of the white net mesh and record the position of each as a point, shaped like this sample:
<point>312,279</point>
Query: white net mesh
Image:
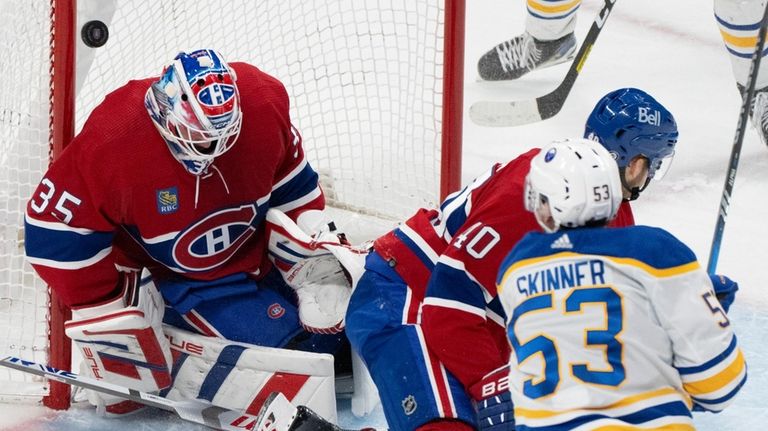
<point>364,78</point>
<point>24,42</point>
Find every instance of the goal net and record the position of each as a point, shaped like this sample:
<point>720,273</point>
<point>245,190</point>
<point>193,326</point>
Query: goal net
<point>374,87</point>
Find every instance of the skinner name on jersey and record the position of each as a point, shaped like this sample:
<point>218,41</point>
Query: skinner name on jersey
<point>588,272</point>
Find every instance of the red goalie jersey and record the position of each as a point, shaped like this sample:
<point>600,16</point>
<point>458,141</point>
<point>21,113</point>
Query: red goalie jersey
<point>117,196</point>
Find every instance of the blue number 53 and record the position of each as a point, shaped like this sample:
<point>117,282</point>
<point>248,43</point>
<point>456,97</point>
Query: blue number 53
<point>605,338</point>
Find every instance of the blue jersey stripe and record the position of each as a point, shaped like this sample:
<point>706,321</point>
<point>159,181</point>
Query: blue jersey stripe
<point>712,362</point>
<point>552,17</point>
<point>455,220</point>
<point>674,408</point>
<point>63,246</point>
<point>456,286</point>
<point>304,183</point>
<point>724,398</point>
<point>744,27</point>
<point>224,365</point>
<point>415,249</point>
<point>744,54</point>
<point>635,242</point>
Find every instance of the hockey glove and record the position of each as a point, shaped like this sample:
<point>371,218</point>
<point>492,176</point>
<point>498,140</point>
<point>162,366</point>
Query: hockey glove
<point>323,290</point>
<point>725,290</point>
<point>493,401</point>
<point>320,268</point>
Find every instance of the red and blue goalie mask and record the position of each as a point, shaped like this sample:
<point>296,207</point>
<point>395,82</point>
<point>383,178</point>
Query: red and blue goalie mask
<point>195,105</point>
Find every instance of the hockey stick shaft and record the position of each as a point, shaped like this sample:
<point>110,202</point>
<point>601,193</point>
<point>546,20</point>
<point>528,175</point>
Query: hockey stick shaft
<point>193,410</point>
<point>738,139</point>
<point>517,113</point>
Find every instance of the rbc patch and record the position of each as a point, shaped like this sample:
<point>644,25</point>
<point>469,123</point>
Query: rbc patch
<point>167,200</point>
<point>275,311</point>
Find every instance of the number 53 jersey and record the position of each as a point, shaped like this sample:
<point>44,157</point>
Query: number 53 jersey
<point>614,327</point>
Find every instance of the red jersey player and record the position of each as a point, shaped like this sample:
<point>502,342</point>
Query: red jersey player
<point>425,317</point>
<point>175,175</point>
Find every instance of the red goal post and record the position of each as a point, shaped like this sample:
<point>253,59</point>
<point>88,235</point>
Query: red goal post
<point>375,89</point>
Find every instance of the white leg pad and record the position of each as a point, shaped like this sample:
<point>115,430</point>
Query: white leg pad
<point>365,397</point>
<point>241,376</point>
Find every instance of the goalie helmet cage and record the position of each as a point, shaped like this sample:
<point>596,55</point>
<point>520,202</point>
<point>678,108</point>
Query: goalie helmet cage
<point>375,89</point>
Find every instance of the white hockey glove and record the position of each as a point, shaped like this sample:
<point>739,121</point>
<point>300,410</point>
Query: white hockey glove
<point>321,270</point>
<point>323,290</point>
<point>320,228</point>
<point>122,342</point>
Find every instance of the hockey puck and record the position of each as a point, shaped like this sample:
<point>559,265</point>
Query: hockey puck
<point>94,33</point>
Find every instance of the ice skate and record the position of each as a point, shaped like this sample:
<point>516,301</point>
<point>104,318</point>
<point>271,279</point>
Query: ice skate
<point>759,114</point>
<point>516,57</point>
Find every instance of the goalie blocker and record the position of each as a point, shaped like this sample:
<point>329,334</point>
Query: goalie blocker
<point>121,341</point>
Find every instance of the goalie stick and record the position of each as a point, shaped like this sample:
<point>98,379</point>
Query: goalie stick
<point>196,411</point>
<point>277,413</point>
<point>738,139</point>
<point>516,113</point>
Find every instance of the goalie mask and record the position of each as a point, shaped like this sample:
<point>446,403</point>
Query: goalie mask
<point>573,183</point>
<point>629,123</point>
<point>195,105</point>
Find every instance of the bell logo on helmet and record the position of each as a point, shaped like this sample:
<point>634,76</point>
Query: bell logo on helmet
<point>653,118</point>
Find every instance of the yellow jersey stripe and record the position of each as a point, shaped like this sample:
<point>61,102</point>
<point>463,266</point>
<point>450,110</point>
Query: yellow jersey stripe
<point>552,9</point>
<point>659,273</point>
<point>670,427</point>
<point>540,414</point>
<point>719,380</point>
<point>739,41</point>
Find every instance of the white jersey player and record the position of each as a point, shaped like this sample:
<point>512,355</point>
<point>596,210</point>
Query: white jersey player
<point>611,328</point>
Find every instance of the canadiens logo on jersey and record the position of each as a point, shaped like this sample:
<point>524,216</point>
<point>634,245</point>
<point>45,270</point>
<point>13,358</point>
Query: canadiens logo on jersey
<point>275,311</point>
<point>167,200</point>
<point>214,239</point>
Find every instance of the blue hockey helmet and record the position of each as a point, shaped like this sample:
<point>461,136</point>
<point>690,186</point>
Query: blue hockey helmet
<point>629,123</point>
<point>195,105</point>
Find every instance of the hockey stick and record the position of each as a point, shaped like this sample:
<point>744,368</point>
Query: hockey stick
<point>516,113</point>
<point>738,139</point>
<point>196,411</point>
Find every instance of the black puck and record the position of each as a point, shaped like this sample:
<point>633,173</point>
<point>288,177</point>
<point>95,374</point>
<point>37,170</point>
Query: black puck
<point>94,33</point>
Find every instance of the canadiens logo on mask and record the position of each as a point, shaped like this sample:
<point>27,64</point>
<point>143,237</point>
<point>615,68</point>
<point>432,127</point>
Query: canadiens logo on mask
<point>195,105</point>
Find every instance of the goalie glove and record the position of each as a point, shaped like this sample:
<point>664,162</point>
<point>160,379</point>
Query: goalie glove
<point>320,269</point>
<point>323,290</point>
<point>122,342</point>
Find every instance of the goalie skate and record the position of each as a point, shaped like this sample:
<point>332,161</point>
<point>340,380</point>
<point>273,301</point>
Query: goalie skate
<point>514,58</point>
